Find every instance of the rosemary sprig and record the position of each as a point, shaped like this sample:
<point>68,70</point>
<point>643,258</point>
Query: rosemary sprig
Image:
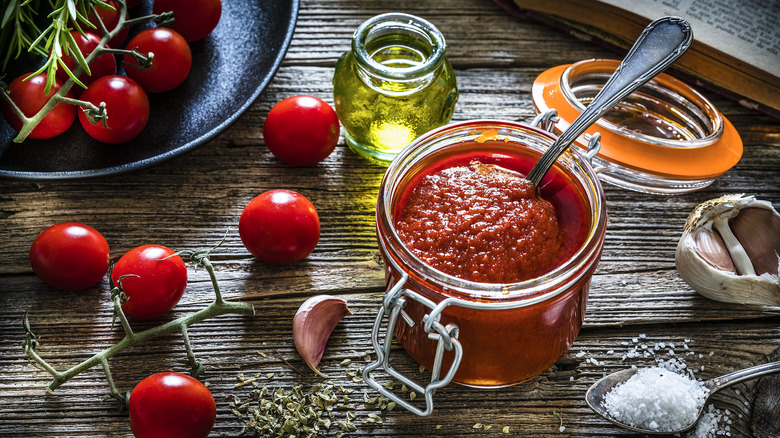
<point>57,41</point>
<point>18,28</point>
<point>19,31</point>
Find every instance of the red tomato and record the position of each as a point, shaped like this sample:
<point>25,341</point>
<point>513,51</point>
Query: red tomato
<point>171,62</point>
<point>127,108</point>
<point>171,405</point>
<point>133,3</point>
<point>110,20</point>
<point>70,256</point>
<point>301,130</point>
<point>279,226</point>
<point>103,65</point>
<point>160,283</point>
<point>29,96</point>
<point>194,19</point>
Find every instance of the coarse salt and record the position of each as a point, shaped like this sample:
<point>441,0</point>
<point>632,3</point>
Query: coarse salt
<point>656,399</point>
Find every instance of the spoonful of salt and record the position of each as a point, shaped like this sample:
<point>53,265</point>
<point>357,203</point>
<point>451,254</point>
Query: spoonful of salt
<point>661,43</point>
<point>659,401</point>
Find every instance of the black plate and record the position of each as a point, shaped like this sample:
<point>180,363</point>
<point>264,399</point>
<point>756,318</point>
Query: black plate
<point>230,69</point>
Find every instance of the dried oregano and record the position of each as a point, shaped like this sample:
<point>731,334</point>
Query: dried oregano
<point>299,412</point>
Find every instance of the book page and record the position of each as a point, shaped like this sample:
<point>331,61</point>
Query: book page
<point>748,30</point>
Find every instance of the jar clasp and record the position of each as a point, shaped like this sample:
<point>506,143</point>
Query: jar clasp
<point>549,118</point>
<point>446,336</point>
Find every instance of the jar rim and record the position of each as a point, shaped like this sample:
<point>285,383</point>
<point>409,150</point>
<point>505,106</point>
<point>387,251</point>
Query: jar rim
<point>676,91</point>
<point>407,23</point>
<point>533,290</point>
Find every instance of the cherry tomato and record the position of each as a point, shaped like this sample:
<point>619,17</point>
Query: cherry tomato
<point>110,20</point>
<point>194,19</point>
<point>132,3</point>
<point>171,405</point>
<point>160,282</point>
<point>170,64</point>
<point>127,108</point>
<point>280,227</point>
<point>301,130</point>
<point>103,65</point>
<point>29,96</point>
<point>70,256</point>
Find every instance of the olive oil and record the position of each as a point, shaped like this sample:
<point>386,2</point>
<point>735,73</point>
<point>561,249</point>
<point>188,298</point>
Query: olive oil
<point>392,88</point>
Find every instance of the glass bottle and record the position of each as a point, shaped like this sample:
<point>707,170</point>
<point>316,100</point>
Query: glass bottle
<point>394,85</point>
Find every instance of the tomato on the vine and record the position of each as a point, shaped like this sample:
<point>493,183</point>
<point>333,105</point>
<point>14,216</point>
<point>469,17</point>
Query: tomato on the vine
<point>301,130</point>
<point>194,19</point>
<point>170,64</point>
<point>127,108</point>
<point>279,226</point>
<point>171,405</point>
<point>156,283</point>
<point>70,256</point>
<point>103,65</point>
<point>110,20</point>
<point>30,97</point>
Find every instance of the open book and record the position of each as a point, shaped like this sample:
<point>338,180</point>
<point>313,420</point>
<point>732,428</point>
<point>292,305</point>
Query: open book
<point>736,48</point>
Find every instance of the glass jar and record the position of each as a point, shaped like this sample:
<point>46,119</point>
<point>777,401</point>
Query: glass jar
<point>482,334</point>
<point>664,138</point>
<point>393,86</point>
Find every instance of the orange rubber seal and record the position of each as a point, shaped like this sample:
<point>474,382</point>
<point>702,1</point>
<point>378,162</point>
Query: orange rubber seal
<point>708,161</point>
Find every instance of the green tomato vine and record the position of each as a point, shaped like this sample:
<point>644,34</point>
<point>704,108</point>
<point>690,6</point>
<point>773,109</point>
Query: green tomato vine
<point>217,307</point>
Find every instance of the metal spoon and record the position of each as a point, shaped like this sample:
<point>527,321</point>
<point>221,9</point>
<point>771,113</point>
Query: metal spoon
<point>661,43</point>
<point>595,395</point>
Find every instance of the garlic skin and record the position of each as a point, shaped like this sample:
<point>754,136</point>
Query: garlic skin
<point>312,325</point>
<point>730,251</point>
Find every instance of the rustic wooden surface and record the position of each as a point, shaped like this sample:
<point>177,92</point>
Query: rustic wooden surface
<point>191,201</point>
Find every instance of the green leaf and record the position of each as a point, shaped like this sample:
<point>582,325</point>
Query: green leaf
<point>72,9</point>
<point>40,37</point>
<point>8,12</point>
<point>71,74</point>
<point>76,53</point>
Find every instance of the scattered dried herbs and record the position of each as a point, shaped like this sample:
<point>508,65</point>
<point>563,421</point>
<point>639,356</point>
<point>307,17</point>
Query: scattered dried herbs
<point>304,411</point>
<point>290,412</point>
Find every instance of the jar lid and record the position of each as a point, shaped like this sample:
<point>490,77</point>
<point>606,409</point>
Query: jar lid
<point>663,138</point>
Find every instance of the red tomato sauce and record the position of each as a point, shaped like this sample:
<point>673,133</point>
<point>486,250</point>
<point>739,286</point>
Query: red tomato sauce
<point>475,217</point>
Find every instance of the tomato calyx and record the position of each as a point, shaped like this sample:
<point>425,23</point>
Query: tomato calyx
<point>143,62</point>
<point>118,292</point>
<point>95,114</point>
<point>31,341</point>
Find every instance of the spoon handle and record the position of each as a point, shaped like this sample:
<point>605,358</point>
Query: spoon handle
<point>661,43</point>
<point>721,382</point>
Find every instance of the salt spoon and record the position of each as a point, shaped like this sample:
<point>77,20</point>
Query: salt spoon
<point>595,395</point>
<point>661,43</point>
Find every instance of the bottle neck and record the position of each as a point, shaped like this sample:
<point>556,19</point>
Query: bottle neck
<point>398,53</point>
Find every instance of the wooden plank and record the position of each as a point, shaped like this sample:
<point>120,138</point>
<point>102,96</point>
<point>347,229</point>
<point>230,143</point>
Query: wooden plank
<point>191,202</point>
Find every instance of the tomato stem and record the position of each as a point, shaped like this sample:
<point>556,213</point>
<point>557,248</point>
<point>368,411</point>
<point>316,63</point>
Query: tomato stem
<point>218,307</point>
<point>165,19</point>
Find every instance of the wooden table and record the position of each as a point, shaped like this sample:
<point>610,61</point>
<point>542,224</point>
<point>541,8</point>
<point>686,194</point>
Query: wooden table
<point>191,201</point>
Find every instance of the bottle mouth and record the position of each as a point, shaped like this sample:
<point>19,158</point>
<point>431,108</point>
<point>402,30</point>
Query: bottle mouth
<point>422,46</point>
<point>663,112</point>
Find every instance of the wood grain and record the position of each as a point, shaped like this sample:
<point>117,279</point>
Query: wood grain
<point>191,201</point>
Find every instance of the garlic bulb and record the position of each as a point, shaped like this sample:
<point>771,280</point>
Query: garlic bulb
<point>730,250</point>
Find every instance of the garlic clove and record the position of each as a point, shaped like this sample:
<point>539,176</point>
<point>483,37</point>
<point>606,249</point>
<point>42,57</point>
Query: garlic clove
<point>758,230</point>
<point>313,324</point>
<point>730,250</point>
